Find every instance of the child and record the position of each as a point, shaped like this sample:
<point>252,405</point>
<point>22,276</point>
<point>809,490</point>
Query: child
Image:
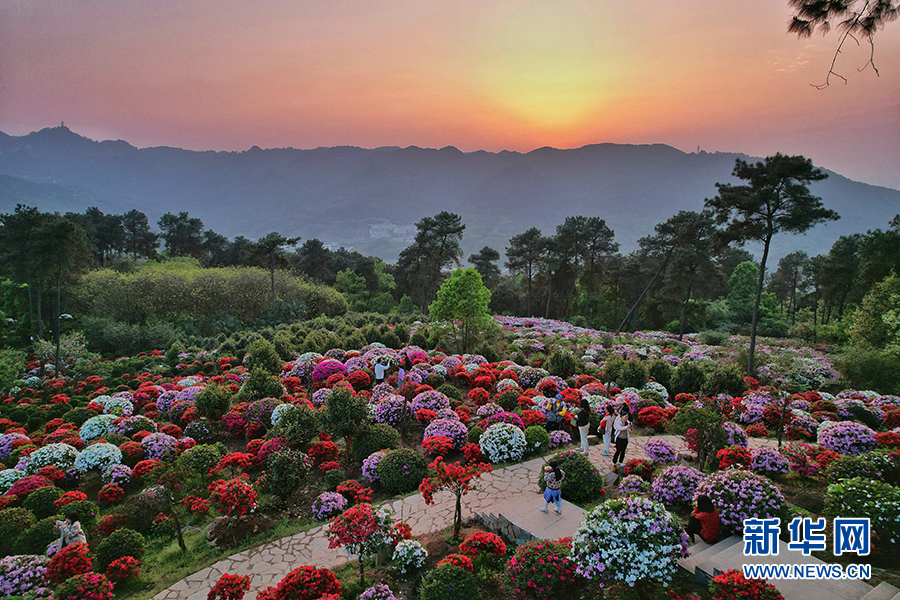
<point>553,477</point>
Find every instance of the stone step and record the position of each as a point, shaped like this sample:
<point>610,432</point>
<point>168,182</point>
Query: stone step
<point>792,589</point>
<point>883,591</point>
<point>700,554</point>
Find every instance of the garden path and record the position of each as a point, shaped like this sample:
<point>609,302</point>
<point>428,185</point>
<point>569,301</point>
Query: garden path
<point>269,562</point>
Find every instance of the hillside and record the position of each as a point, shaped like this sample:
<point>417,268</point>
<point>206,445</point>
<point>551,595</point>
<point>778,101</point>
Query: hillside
<point>338,194</point>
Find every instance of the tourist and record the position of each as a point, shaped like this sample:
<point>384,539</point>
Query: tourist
<point>704,521</point>
<point>622,429</point>
<point>380,368</point>
<point>553,477</point>
<point>606,426</point>
<point>555,410</point>
<point>584,422</point>
<point>70,531</point>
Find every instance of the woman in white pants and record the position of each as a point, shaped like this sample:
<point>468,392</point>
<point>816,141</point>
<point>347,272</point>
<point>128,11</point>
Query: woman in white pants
<point>607,426</point>
<point>584,423</point>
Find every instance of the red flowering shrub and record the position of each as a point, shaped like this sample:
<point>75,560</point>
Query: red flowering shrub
<point>548,388</point>
<point>229,587</point>
<point>439,445</point>
<point>303,583</point>
<point>673,595</point>
<point>652,416</point>
<point>123,569</point>
<point>684,398</point>
<point>757,430</point>
<point>132,452</point>
<point>140,435</point>
<point>329,465</point>
<point>110,493</point>
<point>541,570</point>
<point>26,485</point>
<point>323,451</point>
<point>425,415</point>
<point>354,492</point>
<point>533,417</point>
<point>146,468</point>
<point>7,501</point>
<point>733,456</point>
<point>472,453</point>
<point>464,413</point>
<point>460,560</point>
<point>184,444</point>
<point>173,430</point>
<point>71,560</point>
<point>236,461</point>
<point>640,467</point>
<point>360,380</point>
<point>892,419</point>
<point>111,522</point>
<point>400,531</point>
<point>195,504</point>
<point>479,396</point>
<point>482,542</point>
<point>52,473</point>
<point>732,585</point>
<point>887,439</point>
<point>233,497</point>
<point>86,586</point>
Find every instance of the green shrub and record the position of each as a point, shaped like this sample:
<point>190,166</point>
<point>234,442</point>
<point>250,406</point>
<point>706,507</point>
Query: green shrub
<point>436,380</point>
<point>203,431</point>
<point>448,582</point>
<point>725,379</point>
<point>40,501</point>
<point>582,482</point>
<point>13,521</point>
<point>119,338</point>
<point>285,473</point>
<point>345,414</point>
<point>379,436</point>
<point>564,364</point>
<point>508,400</point>
<point>661,372</point>
<point>865,368</point>
<point>714,337</point>
<point>262,355</point>
<point>634,374</point>
<point>36,538</point>
<point>298,427</point>
<point>864,498</point>
<point>613,368</point>
<point>121,542</point>
<point>451,391</point>
<point>654,397</point>
<point>401,471</point>
<point>709,425</point>
<point>475,434</point>
<point>688,378</point>
<point>334,478</point>
<point>213,402</point>
<point>848,466</point>
<point>78,416</point>
<point>537,440</point>
<point>88,512</point>
<point>260,384</point>
<point>202,457</point>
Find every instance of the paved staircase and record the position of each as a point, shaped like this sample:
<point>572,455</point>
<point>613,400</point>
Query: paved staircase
<point>707,561</point>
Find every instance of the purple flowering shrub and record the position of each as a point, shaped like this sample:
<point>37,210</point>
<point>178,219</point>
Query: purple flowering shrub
<point>676,485</point>
<point>159,445</point>
<point>430,400</point>
<point>327,505</point>
<point>633,484</point>
<point>450,428</point>
<point>378,592</point>
<point>487,410</point>
<point>559,438</point>
<point>846,437</point>
<point>740,495</point>
<point>769,462</point>
<point>370,465</point>
<point>660,451</point>
<point>735,435</point>
<point>261,410</point>
<point>23,574</point>
<point>392,410</point>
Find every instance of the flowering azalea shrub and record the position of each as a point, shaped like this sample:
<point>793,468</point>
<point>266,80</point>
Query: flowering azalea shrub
<point>303,583</point>
<point>864,498</point>
<point>541,570</point>
<point>378,592</point>
<point>71,560</point>
<point>409,556</point>
<point>638,466</point>
<point>660,451</point>
<point>98,457</point>
<point>502,442</point>
<point>456,478</point>
<point>229,587</point>
<point>740,495</point>
<point>86,586</point>
<point>59,455</point>
<point>123,569</point>
<point>560,438</point>
<point>769,462</point>
<point>400,471</point>
<point>69,497</point>
<point>732,585</point>
<point>449,428</point>
<point>370,465</point>
<point>846,437</point>
<point>482,542</point>
<point>110,494</point>
<point>327,505</point>
<point>234,497</point>
<point>24,574</point>
<point>459,560</point>
<point>676,485</point>
<point>438,445</point>
<point>633,484</point>
<point>392,410</point>
<point>630,539</point>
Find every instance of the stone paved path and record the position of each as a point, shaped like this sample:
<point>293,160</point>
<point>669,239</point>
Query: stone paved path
<point>268,563</point>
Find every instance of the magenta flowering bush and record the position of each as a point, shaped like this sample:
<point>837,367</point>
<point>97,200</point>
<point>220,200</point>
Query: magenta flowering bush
<point>326,369</point>
<point>504,417</point>
<point>768,461</point>
<point>450,428</point>
<point>559,438</point>
<point>740,495</point>
<point>846,437</point>
<point>676,485</point>
<point>797,455</point>
<point>430,400</point>
<point>378,592</point>
<point>660,451</point>
<point>327,505</point>
<point>392,409</point>
<point>160,446</point>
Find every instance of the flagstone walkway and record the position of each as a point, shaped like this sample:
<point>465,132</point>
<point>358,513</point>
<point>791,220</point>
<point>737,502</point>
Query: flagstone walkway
<point>269,562</point>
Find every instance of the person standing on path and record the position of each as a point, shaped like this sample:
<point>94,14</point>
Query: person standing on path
<point>553,477</point>
<point>380,368</point>
<point>622,429</point>
<point>584,422</point>
<point>606,425</point>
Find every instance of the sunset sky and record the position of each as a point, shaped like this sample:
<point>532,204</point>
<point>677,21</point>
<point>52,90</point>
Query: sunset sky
<point>476,74</point>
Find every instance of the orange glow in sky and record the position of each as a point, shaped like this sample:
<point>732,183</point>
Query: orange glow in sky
<point>476,74</point>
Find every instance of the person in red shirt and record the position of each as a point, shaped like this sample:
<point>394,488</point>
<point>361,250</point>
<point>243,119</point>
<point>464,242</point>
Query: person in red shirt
<point>705,521</point>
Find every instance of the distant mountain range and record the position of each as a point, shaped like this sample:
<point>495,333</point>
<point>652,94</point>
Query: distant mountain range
<point>369,199</point>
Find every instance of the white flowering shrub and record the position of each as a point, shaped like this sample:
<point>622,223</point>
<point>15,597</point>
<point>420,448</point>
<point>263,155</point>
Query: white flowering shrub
<point>280,411</point>
<point>8,477</point>
<point>409,556</point>
<point>98,456</point>
<point>631,539</point>
<point>502,442</point>
<point>97,427</point>
<point>59,455</point>
<point>116,405</point>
